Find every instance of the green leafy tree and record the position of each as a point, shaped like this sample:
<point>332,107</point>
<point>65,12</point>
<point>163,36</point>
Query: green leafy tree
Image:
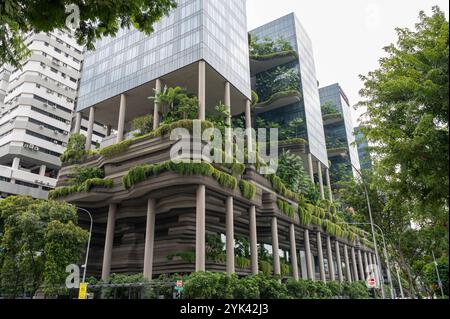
<point>143,125</point>
<point>97,18</point>
<point>407,101</point>
<point>38,239</point>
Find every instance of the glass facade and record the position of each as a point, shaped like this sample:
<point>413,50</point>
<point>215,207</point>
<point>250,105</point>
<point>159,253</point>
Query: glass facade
<point>341,133</point>
<point>289,28</point>
<point>212,30</point>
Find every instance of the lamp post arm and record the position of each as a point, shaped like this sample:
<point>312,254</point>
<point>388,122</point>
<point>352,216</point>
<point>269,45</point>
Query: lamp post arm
<point>88,243</point>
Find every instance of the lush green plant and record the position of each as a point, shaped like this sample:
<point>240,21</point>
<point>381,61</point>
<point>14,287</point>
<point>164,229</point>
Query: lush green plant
<point>245,288</point>
<point>215,248</point>
<point>80,174</point>
<point>30,226</point>
<point>143,125</point>
<point>286,208</point>
<point>242,246</point>
<point>187,256</point>
<point>266,46</point>
<point>115,149</point>
<point>76,149</point>
<point>329,108</point>
<point>242,262</point>
<point>207,285</point>
<point>248,189</point>
<point>86,186</point>
<point>141,173</point>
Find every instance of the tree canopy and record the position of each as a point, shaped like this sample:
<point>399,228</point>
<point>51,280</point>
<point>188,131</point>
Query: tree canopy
<point>97,18</point>
<point>38,239</point>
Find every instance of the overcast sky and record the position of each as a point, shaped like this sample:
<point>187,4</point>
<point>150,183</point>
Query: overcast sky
<point>347,35</point>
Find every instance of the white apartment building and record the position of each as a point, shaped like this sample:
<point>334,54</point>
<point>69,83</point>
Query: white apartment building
<point>36,110</point>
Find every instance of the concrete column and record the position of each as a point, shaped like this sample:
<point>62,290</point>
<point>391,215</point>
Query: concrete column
<point>200,241</point>
<point>16,163</point>
<point>149,239</point>
<point>339,262</point>
<point>42,170</point>
<point>248,124</point>
<point>309,266</point>
<point>227,102</point>
<point>319,170</point>
<point>366,264</point>
<point>109,240</point>
<point>90,128</point>
<point>77,127</point>
<point>156,109</point>
<point>330,260</point>
<point>311,169</point>
<point>347,264</point>
<point>355,265</point>
<point>121,121</point>
<point>230,235</point>
<point>202,90</point>
<point>294,262</point>
<point>320,252</point>
<point>253,240</point>
<point>275,248</point>
<point>330,190</point>
<point>362,273</point>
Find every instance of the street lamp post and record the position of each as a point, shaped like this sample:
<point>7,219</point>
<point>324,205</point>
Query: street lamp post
<point>371,224</point>
<point>438,275</point>
<point>88,243</point>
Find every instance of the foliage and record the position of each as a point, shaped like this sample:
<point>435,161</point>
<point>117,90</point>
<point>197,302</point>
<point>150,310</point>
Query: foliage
<point>215,248</point>
<point>76,149</point>
<point>407,101</point>
<point>143,125</point>
<point>278,82</point>
<point>38,239</point>
<point>431,277</point>
<point>80,174</point>
<point>115,149</point>
<point>164,129</point>
<point>141,173</point>
<point>242,246</point>
<point>286,208</point>
<point>207,285</point>
<point>97,19</point>
<point>85,186</point>
<point>176,104</point>
<point>187,256</point>
<point>329,108</point>
<point>248,189</point>
<point>266,45</point>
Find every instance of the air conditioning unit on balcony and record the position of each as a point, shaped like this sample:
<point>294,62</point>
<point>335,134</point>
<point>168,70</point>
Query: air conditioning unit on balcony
<point>41,127</point>
<point>56,132</point>
<point>66,133</point>
<point>45,105</point>
<point>54,107</point>
<point>36,148</point>
<point>55,142</point>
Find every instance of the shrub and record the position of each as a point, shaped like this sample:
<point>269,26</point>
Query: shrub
<point>245,288</point>
<point>355,290</point>
<point>286,208</point>
<point>248,190</point>
<point>86,186</point>
<point>187,256</point>
<point>270,288</point>
<point>143,125</point>
<point>115,150</point>
<point>81,174</point>
<point>207,285</point>
<point>75,151</point>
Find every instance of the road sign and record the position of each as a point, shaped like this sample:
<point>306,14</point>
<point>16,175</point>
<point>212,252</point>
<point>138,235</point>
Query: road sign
<point>371,282</point>
<point>83,290</point>
<point>179,283</point>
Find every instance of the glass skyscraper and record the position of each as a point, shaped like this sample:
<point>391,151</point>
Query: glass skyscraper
<point>339,130</point>
<point>308,108</point>
<point>214,31</point>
